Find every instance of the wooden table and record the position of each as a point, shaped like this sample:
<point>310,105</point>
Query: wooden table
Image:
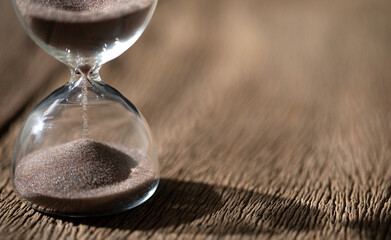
<point>272,119</point>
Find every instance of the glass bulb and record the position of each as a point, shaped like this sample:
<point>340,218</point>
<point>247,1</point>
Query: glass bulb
<point>85,32</point>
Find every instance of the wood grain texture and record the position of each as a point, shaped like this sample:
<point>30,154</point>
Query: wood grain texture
<point>272,120</point>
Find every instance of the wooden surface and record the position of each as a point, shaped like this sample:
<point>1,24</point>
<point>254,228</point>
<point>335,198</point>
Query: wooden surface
<point>272,120</point>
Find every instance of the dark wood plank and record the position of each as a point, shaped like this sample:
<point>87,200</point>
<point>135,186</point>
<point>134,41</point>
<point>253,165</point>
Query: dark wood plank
<point>271,118</point>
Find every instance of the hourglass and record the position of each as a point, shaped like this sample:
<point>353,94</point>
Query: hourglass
<point>85,150</point>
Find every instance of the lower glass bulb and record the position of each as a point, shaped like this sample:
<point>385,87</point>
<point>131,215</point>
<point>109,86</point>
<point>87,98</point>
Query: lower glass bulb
<point>85,150</point>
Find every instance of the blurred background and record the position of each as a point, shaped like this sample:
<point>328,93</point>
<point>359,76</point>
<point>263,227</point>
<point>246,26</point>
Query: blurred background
<point>287,97</point>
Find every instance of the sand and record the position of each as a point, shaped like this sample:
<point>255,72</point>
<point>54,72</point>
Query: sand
<point>80,10</point>
<point>84,176</point>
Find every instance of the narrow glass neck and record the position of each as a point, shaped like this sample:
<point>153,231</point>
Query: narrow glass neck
<point>77,75</point>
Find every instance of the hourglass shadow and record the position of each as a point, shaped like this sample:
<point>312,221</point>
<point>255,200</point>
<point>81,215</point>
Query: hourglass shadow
<point>210,209</point>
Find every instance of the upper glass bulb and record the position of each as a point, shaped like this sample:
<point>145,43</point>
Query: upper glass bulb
<point>85,33</point>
